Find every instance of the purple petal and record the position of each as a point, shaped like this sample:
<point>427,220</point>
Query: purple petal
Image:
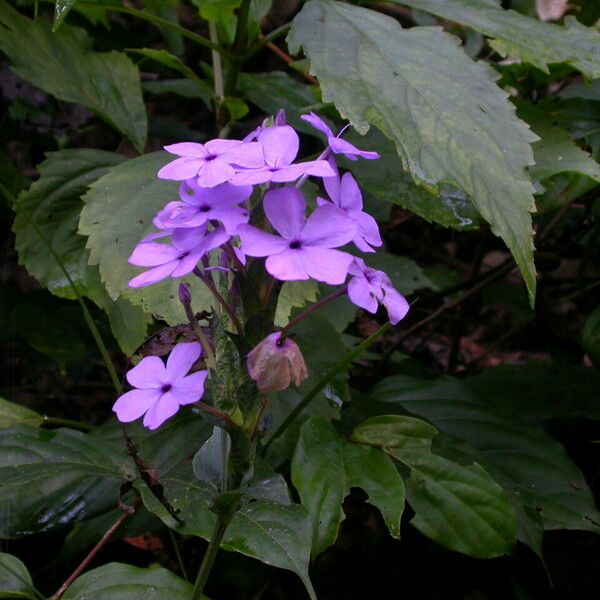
<point>333,185</point>
<point>156,236</point>
<point>368,229</point>
<point>256,242</point>
<point>350,196</point>
<point>323,264</point>
<point>148,374</point>
<point>286,210</point>
<point>187,263</point>
<point>252,177</point>
<point>287,265</point>
<point>230,217</point>
<point>153,275</point>
<point>181,359</point>
<point>187,149</point>
<point>225,195</point>
<point>328,227</point>
<point>214,172</point>
<point>360,294</point>
<point>280,145</point>
<point>358,267</point>
<point>220,146</point>
<point>318,168</point>
<point>248,155</point>
<point>340,146</point>
<point>180,168</point>
<point>318,124</point>
<point>152,254</point>
<point>395,304</point>
<point>132,405</point>
<point>186,239</point>
<point>160,411</point>
<point>190,389</point>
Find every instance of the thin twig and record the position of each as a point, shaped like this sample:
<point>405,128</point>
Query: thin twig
<point>286,58</point>
<point>86,561</point>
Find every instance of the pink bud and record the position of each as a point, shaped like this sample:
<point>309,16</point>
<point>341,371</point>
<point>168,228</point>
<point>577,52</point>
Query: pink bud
<point>274,364</point>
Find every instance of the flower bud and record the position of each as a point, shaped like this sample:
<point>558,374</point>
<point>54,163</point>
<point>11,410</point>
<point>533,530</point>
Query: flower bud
<point>280,118</point>
<point>274,364</point>
<point>184,294</point>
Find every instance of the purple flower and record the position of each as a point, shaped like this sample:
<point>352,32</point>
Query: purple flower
<point>280,147</point>
<point>345,194</point>
<point>160,390</point>
<point>214,162</point>
<point>176,259</point>
<point>336,143</point>
<point>370,287</point>
<point>304,249</point>
<point>201,204</point>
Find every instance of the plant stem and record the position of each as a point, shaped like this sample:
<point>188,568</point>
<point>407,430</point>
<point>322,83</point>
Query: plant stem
<point>311,309</point>
<point>240,43</point>
<point>86,561</point>
<point>211,286</point>
<point>209,354</point>
<point>337,368</point>
<point>160,22</point>
<point>265,40</point>
<point>211,553</point>
<point>178,554</point>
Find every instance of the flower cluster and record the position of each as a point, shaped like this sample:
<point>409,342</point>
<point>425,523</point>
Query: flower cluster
<point>214,209</point>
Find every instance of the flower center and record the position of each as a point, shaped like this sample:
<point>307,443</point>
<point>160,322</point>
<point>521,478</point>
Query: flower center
<point>204,208</point>
<point>166,388</point>
<point>295,245</point>
<point>209,157</point>
<point>183,255</point>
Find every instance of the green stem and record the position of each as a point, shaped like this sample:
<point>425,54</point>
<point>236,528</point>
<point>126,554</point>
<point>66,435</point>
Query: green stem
<point>267,39</point>
<point>240,44</point>
<point>337,368</point>
<point>86,313</point>
<point>160,22</point>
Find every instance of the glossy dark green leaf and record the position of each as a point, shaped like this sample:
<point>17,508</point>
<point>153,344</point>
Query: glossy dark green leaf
<point>276,534</point>
<point>53,478</point>
<point>15,414</point>
<point>118,581</point>
<point>63,64</point>
<point>497,418</point>
<point>52,205</point>
<point>459,506</point>
<point>590,336</point>
<point>387,180</point>
<point>519,36</point>
<point>118,213</point>
<point>325,467</point>
<point>420,89</point>
<point>322,348</point>
<point>275,90</point>
<point>15,581</point>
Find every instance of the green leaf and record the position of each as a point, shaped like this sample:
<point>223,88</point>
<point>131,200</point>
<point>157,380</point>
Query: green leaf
<point>15,581</point>
<point>555,152</point>
<point>276,534</point>
<point>519,36</point>
<point>118,581</point>
<point>187,88</point>
<point>53,478</point>
<point>458,506</point>
<point>497,417</point>
<point>451,124</point>
<point>118,213</point>
<point>590,336</point>
<point>15,414</point>
<point>61,10</point>
<point>322,348</point>
<point>63,64</point>
<point>275,90</point>
<point>294,294</point>
<point>53,204</point>
<point>388,181</point>
<point>325,467</point>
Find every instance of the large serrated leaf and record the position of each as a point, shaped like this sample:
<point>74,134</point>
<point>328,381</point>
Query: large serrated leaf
<point>118,213</point>
<point>325,467</point>
<point>63,64</point>
<point>451,124</point>
<point>51,206</point>
<point>514,34</point>
<point>457,505</point>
